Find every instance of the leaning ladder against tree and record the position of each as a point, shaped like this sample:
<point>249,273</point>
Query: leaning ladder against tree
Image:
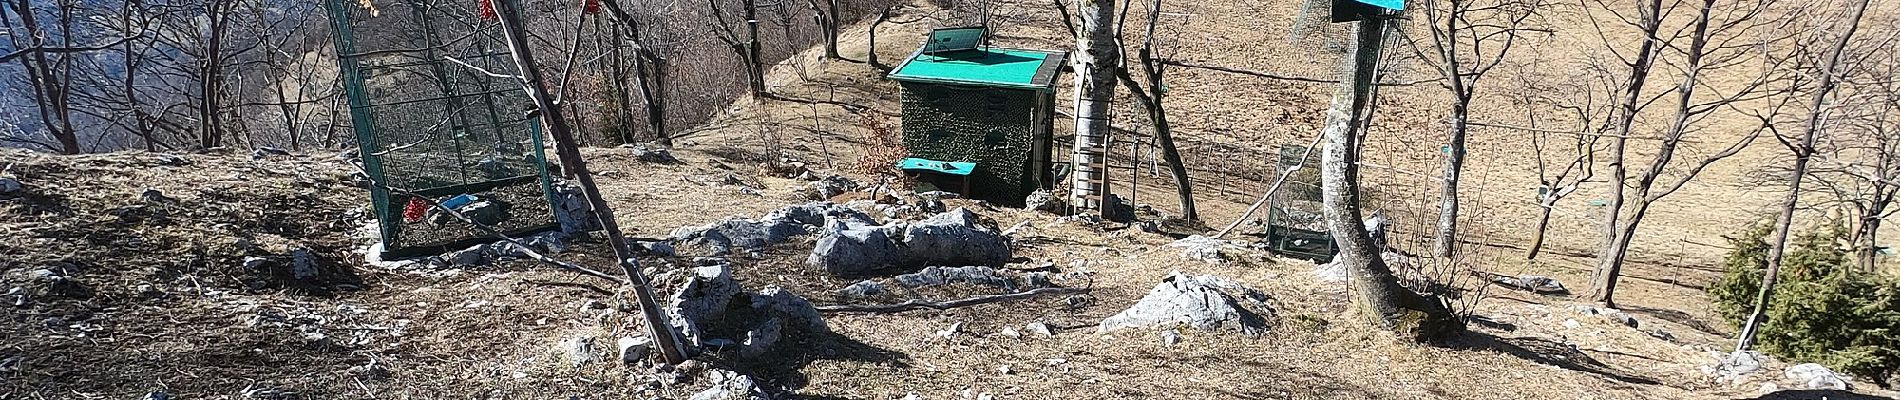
<point>1094,93</point>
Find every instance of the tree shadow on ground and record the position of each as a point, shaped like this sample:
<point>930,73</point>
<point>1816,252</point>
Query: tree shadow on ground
<point>1547,352</point>
<point>1310,384</point>
<point>779,370</point>
<point>1818,395</point>
<point>1674,316</point>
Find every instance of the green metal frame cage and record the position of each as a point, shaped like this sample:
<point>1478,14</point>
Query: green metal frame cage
<point>1293,224</point>
<point>435,128</point>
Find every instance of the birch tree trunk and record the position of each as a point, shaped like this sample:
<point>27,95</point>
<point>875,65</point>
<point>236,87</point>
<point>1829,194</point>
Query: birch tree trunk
<point>1095,91</point>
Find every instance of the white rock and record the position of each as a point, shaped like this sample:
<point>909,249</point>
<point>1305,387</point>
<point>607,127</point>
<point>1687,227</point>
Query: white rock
<point>1330,272</point>
<point>1206,249</point>
<point>728,385</point>
<point>1740,363</point>
<point>10,187</point>
<point>634,349</point>
<point>952,331</point>
<point>1204,302</point>
<point>1170,338</point>
<point>1039,328</point>
<point>579,349</point>
<point>1009,333</point>
<point>1815,376</point>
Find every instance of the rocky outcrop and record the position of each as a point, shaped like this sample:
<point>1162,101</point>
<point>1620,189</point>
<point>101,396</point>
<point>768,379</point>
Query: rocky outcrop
<point>1204,302</point>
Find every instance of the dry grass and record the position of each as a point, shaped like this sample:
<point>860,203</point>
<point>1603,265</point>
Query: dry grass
<point>490,333</point>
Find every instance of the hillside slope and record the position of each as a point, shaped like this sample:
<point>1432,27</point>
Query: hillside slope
<point>146,295</point>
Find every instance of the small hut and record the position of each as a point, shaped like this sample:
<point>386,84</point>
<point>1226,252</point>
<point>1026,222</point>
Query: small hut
<point>978,120</point>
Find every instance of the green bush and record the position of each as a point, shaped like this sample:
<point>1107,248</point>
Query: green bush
<point>1822,311</point>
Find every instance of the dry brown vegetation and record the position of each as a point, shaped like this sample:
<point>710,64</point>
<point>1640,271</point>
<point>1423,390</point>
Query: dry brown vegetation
<point>159,298</point>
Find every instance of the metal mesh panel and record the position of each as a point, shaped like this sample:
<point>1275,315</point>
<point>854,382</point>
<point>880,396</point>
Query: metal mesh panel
<point>1295,225</point>
<point>432,127</point>
<point>995,128</point>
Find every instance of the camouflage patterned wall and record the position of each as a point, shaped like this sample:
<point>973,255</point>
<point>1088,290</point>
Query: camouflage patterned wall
<point>998,129</point>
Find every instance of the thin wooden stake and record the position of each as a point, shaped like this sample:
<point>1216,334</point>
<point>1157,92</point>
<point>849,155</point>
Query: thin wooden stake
<point>566,148</point>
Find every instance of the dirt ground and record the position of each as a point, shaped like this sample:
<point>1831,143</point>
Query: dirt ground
<point>154,296</point>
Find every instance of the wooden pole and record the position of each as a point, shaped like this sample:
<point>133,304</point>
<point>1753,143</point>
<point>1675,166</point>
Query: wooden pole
<point>566,148</point>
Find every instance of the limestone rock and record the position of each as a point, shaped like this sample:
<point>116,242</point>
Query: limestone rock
<point>650,153</point>
<point>939,276</point>
<point>702,298</point>
<point>1203,302</point>
<point>303,264</point>
<point>578,350</point>
<point>830,186</point>
<point>854,249</point>
<point>728,385</point>
<point>634,349</point>
<point>864,288</point>
<point>1814,376</point>
<point>572,211</point>
<point>1206,249</point>
<point>1045,201</point>
<point>1039,328</point>
<point>955,237</point>
<point>10,188</point>
<point>795,311</point>
<point>1533,283</point>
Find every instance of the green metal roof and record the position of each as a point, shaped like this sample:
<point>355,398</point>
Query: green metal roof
<point>992,67</point>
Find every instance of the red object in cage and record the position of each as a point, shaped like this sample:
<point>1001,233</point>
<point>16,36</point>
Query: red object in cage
<point>488,10</point>
<point>590,6</point>
<point>415,210</point>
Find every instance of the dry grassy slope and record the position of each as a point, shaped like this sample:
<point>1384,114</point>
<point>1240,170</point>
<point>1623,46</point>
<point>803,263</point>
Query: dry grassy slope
<point>200,331</point>
<point>488,333</point>
<point>1230,126</point>
<point>1233,123</point>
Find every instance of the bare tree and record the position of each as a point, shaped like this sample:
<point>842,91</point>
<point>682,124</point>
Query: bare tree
<point>1856,164</point>
<point>1468,40</point>
<point>1730,45</point>
<point>746,47</point>
<point>49,72</point>
<point>1154,68</point>
<point>649,68</point>
<point>1565,157</point>
<point>825,13</point>
<point>1803,150</point>
<point>1378,295</point>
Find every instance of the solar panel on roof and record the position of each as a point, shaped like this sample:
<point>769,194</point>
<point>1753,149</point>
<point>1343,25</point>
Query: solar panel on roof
<point>953,39</point>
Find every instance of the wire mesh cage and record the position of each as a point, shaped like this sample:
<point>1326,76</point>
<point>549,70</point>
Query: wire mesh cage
<point>1294,223</point>
<point>435,125</point>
